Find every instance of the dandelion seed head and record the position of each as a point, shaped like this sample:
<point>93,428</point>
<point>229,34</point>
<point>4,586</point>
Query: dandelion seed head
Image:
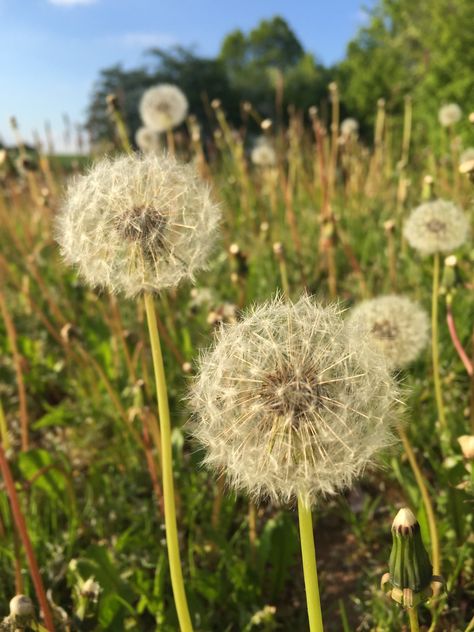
<point>449,114</point>
<point>163,107</point>
<point>397,325</point>
<point>21,606</point>
<point>263,154</point>
<point>137,223</point>
<point>148,140</point>
<point>349,127</point>
<point>292,400</point>
<point>467,155</point>
<point>436,226</point>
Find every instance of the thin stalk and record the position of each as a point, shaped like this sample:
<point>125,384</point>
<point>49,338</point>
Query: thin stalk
<point>470,625</point>
<point>413,618</point>
<point>309,567</point>
<point>454,336</point>
<point>434,343</point>
<point>17,360</point>
<point>434,537</point>
<point>25,538</point>
<point>167,471</point>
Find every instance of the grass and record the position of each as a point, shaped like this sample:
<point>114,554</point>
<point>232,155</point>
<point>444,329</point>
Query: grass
<point>89,483</point>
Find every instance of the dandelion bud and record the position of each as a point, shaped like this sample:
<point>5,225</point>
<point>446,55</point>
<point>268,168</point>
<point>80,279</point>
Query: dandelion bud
<point>313,111</point>
<point>21,607</point>
<point>163,107</point>
<point>410,579</point>
<point>137,223</point>
<point>389,226</point>
<point>147,140</point>
<point>215,104</point>
<point>112,102</point>
<point>187,367</point>
<point>381,103</point>
<point>467,446</point>
<point>436,226</point>
<point>90,589</point>
<point>278,249</point>
<point>266,124</point>
<point>292,401</point>
<point>234,249</point>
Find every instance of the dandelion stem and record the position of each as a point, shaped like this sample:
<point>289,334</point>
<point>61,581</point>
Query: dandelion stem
<point>167,471</point>
<point>309,567</point>
<point>434,343</point>
<point>20,524</point>
<point>435,548</point>
<point>413,618</point>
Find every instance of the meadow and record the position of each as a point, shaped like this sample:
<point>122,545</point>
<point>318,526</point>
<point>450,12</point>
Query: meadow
<point>307,206</point>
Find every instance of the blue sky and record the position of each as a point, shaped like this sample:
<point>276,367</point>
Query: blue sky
<point>52,50</point>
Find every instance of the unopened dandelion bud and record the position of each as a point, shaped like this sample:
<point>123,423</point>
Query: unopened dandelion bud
<point>467,446</point>
<point>449,272</point>
<point>389,226</point>
<point>21,609</point>
<point>264,227</point>
<point>234,249</point>
<point>410,579</point>
<point>278,249</point>
<point>266,124</point>
<point>112,102</point>
<point>187,367</point>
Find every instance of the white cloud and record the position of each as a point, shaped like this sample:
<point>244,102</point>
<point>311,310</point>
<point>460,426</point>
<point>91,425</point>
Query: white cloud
<point>143,40</point>
<point>70,3</point>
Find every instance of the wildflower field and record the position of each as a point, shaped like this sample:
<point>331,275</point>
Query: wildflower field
<point>221,351</point>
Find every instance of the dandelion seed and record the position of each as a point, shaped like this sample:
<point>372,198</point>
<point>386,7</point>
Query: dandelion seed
<point>397,325</point>
<point>449,114</point>
<point>263,154</point>
<point>163,107</point>
<point>436,226</point>
<point>137,223</point>
<point>292,402</point>
<point>148,140</point>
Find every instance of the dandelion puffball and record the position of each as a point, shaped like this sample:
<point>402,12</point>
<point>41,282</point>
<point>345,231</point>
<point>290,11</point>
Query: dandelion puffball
<point>449,114</point>
<point>137,223</point>
<point>436,226</point>
<point>292,401</point>
<point>148,140</point>
<point>467,155</point>
<point>397,325</point>
<point>263,154</point>
<point>163,107</point>
<point>349,127</point>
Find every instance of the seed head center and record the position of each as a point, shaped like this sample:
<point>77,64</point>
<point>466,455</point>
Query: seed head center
<point>436,226</point>
<point>385,330</point>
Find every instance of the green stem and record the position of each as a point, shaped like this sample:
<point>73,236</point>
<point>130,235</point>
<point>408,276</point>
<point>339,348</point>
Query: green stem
<point>434,343</point>
<point>470,626</point>
<point>413,618</point>
<point>435,549</point>
<point>167,471</point>
<point>309,567</point>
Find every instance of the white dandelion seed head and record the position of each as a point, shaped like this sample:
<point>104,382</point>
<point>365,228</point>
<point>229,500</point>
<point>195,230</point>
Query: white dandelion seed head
<point>449,114</point>
<point>163,107</point>
<point>148,140</point>
<point>137,223</point>
<point>436,226</point>
<point>349,127</point>
<point>263,154</point>
<point>292,400</point>
<point>397,325</point>
<point>467,155</point>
